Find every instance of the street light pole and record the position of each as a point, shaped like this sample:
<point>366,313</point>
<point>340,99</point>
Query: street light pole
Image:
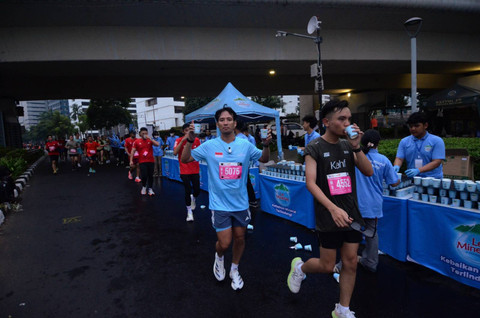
<point>412,26</point>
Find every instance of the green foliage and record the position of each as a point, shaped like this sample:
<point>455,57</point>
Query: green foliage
<point>17,160</point>
<point>82,123</point>
<point>16,165</point>
<point>388,147</point>
<point>194,103</point>
<point>274,102</point>
<point>108,113</point>
<point>51,123</point>
<point>76,111</point>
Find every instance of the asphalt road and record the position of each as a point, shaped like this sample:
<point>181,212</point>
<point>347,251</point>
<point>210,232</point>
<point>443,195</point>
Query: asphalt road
<point>91,246</point>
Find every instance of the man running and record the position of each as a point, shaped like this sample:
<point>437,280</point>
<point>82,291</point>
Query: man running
<point>227,160</point>
<point>189,172</point>
<point>330,171</point>
<point>72,147</point>
<point>52,147</point>
<point>91,147</point>
<point>133,164</point>
<point>79,149</point>
<point>143,146</point>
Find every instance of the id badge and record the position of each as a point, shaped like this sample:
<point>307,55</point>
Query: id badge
<point>418,163</point>
<point>230,170</point>
<point>339,183</point>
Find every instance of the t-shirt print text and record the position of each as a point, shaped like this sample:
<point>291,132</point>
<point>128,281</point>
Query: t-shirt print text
<point>338,164</point>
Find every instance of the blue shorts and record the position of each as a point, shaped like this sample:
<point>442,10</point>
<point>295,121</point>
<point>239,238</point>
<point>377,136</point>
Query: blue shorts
<point>223,220</point>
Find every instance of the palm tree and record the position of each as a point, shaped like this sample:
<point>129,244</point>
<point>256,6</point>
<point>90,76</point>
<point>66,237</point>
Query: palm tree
<point>76,111</point>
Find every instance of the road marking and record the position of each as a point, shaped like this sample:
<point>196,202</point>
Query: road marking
<point>73,219</point>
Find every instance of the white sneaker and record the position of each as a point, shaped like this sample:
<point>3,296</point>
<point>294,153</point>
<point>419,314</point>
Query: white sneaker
<point>237,281</point>
<point>218,269</point>
<point>144,191</point>
<point>336,313</point>
<point>79,165</point>
<point>189,216</point>
<point>150,192</point>
<point>295,278</point>
<point>193,205</point>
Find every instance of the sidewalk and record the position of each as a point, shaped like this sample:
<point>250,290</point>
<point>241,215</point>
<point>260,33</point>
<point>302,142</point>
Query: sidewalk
<point>91,246</point>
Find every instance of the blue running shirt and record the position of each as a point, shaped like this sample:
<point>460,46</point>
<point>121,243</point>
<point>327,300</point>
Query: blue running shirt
<point>231,194</point>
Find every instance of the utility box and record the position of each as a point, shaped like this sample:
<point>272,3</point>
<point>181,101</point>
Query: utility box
<point>458,164</point>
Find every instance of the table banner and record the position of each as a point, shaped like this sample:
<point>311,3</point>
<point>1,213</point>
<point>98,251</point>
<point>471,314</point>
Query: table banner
<point>287,199</point>
<point>446,240</point>
<point>392,228</point>
<point>171,168</point>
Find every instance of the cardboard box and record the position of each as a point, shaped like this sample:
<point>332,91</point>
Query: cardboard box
<point>458,164</point>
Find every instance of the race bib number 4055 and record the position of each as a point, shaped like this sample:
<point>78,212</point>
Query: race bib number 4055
<point>339,183</point>
<point>230,170</point>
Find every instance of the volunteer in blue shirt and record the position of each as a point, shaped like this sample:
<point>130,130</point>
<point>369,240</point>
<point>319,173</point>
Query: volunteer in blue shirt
<point>227,160</point>
<point>171,139</point>
<point>208,135</point>
<point>423,151</point>
<point>370,196</point>
<point>157,154</point>
<point>309,124</point>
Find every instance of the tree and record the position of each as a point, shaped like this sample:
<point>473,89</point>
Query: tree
<point>82,123</point>
<point>50,123</point>
<point>108,113</point>
<point>194,103</point>
<point>76,111</point>
<point>274,102</point>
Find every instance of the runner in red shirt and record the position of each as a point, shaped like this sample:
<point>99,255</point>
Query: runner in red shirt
<point>143,146</point>
<point>52,147</point>
<point>91,152</point>
<point>128,149</point>
<point>189,172</point>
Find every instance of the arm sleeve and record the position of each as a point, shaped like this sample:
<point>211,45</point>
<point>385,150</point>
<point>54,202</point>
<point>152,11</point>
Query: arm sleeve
<point>200,152</point>
<point>438,149</point>
<point>401,150</point>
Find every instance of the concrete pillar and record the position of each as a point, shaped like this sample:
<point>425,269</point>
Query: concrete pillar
<point>306,103</point>
<point>10,130</point>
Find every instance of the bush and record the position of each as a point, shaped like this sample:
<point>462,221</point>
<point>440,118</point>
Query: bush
<point>388,147</point>
<point>17,160</point>
<point>16,165</point>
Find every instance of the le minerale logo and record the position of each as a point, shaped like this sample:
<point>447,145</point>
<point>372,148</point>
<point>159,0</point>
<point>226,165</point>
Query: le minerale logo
<point>470,241</point>
<point>282,194</point>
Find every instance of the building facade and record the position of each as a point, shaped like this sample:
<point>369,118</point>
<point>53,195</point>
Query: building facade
<point>161,113</point>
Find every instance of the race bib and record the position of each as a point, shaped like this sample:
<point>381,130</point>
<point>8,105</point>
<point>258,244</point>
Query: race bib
<point>51,148</point>
<point>135,154</point>
<point>230,170</point>
<point>73,150</point>
<point>92,152</point>
<point>145,153</point>
<point>339,183</point>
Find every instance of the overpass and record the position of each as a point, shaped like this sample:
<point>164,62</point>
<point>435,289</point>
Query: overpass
<point>74,49</point>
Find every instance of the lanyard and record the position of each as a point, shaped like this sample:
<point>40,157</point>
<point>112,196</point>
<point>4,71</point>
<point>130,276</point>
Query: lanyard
<point>419,149</point>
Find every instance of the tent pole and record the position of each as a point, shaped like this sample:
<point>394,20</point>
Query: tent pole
<point>279,137</point>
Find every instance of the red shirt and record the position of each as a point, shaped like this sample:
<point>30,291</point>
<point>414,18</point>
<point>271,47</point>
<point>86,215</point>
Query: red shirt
<point>144,149</point>
<point>61,144</point>
<point>129,143</point>
<point>191,167</point>
<point>52,148</point>
<point>91,148</point>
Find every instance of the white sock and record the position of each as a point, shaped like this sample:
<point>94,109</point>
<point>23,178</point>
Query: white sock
<point>343,310</point>
<point>189,209</point>
<point>218,257</point>
<point>234,267</point>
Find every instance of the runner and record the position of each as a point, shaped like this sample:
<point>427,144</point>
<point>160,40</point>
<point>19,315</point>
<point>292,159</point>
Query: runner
<point>226,157</point>
<point>91,148</point>
<point>370,196</point>
<point>189,172</point>
<point>330,171</point>
<point>100,151</point>
<point>133,164</point>
<point>157,154</point>
<point>143,146</point>
<point>79,149</point>
<point>61,150</point>
<point>106,149</point>
<point>52,147</point>
<point>72,147</point>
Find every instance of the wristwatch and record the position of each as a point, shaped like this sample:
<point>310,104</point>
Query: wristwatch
<point>357,150</point>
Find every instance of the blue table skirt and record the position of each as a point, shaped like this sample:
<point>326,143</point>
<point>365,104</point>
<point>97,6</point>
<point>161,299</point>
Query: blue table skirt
<point>446,240</point>
<point>392,228</point>
<point>287,199</point>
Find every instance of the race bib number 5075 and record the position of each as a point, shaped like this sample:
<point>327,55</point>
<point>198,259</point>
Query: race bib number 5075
<point>339,183</point>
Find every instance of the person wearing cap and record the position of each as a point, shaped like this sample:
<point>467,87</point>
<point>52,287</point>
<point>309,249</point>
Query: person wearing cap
<point>422,151</point>
<point>370,196</point>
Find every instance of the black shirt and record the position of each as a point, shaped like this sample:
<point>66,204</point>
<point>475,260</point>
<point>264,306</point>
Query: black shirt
<point>336,178</point>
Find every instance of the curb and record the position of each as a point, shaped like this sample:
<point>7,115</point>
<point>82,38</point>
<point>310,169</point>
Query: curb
<point>22,180</point>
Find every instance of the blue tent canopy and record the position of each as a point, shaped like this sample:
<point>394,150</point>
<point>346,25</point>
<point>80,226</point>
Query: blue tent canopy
<point>246,109</point>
